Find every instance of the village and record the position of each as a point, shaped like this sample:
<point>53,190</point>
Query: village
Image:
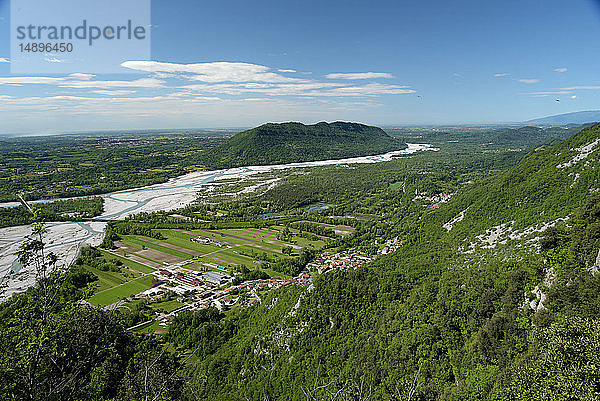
<point>203,268</point>
<point>204,289</point>
<point>346,260</point>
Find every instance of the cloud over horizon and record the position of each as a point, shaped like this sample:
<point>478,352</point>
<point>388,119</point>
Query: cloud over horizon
<point>214,71</point>
<point>177,89</point>
<point>220,78</point>
<point>359,75</point>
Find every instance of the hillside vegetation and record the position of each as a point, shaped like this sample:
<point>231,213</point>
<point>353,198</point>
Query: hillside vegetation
<point>60,210</point>
<point>500,320</point>
<point>493,295</point>
<point>296,142</point>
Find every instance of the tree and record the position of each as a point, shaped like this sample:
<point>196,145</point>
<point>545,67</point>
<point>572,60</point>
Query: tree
<point>52,348</point>
<point>563,365</point>
<point>152,374</point>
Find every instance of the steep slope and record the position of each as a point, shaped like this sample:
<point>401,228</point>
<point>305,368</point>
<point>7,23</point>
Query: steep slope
<point>296,142</point>
<point>528,135</point>
<point>547,185</point>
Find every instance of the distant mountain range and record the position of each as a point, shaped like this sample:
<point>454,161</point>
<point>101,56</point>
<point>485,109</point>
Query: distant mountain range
<point>579,117</point>
<point>295,142</point>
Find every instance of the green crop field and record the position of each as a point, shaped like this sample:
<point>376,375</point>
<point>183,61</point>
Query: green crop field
<point>230,256</point>
<point>140,242</point>
<point>174,237</point>
<point>249,248</point>
<point>121,291</point>
<point>106,280</point>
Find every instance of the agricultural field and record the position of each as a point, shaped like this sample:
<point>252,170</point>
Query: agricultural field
<point>140,257</point>
<point>120,291</point>
<point>90,164</point>
<point>224,247</point>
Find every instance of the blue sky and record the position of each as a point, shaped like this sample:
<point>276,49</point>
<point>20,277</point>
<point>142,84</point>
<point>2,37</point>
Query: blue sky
<point>242,63</point>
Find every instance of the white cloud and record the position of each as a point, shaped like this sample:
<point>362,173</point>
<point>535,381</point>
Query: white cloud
<point>78,75</point>
<point>286,89</point>
<point>528,80</point>
<point>371,89</point>
<point>584,87</point>
<point>213,72</point>
<point>502,74</point>
<point>549,93</point>
<point>4,60</point>
<point>116,92</point>
<point>137,83</point>
<point>31,80</point>
<point>222,78</point>
<point>561,69</point>
<point>301,89</point>
<point>164,75</point>
<point>201,93</point>
<point>359,75</point>
<point>53,60</point>
<point>82,81</point>
<point>286,70</point>
<point>564,91</point>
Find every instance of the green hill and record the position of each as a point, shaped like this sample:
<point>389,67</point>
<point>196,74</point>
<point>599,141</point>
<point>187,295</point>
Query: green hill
<point>296,142</point>
<point>548,184</point>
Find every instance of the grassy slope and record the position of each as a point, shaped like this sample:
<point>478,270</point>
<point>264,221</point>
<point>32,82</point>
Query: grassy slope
<point>122,291</point>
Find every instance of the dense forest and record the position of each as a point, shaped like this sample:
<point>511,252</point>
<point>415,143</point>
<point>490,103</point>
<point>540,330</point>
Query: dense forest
<point>296,142</point>
<point>60,210</point>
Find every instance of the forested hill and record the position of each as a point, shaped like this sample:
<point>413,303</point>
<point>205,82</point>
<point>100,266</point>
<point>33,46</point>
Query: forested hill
<point>296,142</point>
<point>548,184</point>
